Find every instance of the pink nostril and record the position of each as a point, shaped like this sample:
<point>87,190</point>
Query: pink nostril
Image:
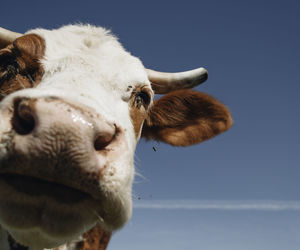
<point>103,140</point>
<point>23,121</point>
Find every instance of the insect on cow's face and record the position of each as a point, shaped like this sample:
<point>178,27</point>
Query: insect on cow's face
<point>73,106</point>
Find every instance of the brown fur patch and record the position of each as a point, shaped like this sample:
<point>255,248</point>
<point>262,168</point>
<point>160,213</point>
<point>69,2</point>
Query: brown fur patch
<point>20,65</point>
<point>186,117</point>
<point>138,110</point>
<point>137,119</point>
<point>94,239</point>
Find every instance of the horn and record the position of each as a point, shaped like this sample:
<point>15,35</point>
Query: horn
<point>7,37</point>
<point>163,83</point>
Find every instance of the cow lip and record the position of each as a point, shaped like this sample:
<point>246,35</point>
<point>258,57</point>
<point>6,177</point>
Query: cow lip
<point>36,187</point>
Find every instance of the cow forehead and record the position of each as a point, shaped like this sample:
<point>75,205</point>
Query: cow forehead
<point>84,54</point>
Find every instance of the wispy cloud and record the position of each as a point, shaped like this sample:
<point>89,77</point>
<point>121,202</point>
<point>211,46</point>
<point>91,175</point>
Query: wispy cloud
<point>261,205</point>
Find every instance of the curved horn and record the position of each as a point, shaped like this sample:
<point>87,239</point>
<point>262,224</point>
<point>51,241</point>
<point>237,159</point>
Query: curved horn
<point>163,83</point>
<point>7,37</point>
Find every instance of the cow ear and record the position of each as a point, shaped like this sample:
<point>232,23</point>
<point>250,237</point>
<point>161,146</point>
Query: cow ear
<point>186,117</point>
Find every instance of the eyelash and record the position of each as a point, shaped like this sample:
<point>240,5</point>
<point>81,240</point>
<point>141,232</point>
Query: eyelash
<point>9,66</point>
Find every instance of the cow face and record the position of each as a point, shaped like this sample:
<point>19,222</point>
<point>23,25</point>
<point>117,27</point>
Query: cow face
<point>74,105</point>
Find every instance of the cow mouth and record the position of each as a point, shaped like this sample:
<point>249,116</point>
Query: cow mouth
<point>44,211</point>
<point>35,187</point>
<point>32,206</point>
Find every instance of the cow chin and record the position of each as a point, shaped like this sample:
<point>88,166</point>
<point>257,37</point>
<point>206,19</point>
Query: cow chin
<point>45,215</point>
<point>46,205</point>
<point>44,223</point>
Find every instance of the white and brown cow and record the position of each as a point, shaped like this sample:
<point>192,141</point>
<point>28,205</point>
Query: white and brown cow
<point>73,106</point>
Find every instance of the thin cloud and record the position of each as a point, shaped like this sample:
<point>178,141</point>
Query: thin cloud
<point>218,205</point>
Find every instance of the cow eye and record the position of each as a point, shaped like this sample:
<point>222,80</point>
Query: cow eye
<point>8,63</point>
<point>142,98</point>
<point>8,66</point>
<point>7,59</point>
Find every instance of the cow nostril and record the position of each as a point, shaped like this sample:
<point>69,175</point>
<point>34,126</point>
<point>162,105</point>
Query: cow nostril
<point>103,140</point>
<point>23,121</point>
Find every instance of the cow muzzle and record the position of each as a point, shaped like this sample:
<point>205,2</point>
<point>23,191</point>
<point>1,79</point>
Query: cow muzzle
<point>55,158</point>
<point>57,141</point>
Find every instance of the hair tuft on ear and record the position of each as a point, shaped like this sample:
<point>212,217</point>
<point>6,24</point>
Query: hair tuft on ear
<point>186,117</point>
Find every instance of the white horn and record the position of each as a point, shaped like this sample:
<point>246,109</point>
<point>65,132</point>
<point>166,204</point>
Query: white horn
<point>163,83</point>
<point>7,37</point>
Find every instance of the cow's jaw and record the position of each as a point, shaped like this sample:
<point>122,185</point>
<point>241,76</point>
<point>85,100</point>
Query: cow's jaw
<point>103,88</point>
<point>33,220</point>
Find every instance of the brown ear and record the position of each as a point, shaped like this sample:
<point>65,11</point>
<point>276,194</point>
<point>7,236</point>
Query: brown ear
<point>186,117</point>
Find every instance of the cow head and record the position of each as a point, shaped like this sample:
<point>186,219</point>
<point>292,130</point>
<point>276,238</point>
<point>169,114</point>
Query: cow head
<point>73,106</point>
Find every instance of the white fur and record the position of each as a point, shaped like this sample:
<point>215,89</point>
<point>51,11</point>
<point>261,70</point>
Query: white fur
<point>86,64</point>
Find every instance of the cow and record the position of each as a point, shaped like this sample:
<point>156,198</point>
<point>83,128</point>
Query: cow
<point>73,105</point>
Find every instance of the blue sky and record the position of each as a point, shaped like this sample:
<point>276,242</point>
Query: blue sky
<point>251,50</point>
